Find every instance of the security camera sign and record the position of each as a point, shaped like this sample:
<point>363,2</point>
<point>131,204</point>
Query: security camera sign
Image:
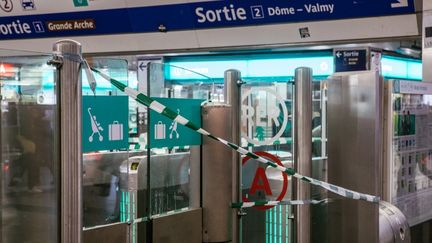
<point>265,115</point>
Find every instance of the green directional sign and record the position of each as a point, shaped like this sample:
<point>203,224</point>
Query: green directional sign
<point>105,123</point>
<point>80,3</point>
<point>165,133</point>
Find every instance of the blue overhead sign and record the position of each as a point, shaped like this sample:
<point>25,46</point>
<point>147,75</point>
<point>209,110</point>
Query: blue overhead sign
<point>88,20</point>
<point>351,60</point>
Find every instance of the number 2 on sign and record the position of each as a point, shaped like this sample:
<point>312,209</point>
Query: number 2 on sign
<point>257,12</point>
<point>6,5</point>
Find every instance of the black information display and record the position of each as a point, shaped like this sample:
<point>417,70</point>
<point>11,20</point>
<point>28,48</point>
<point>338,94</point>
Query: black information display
<point>428,32</point>
<point>350,60</point>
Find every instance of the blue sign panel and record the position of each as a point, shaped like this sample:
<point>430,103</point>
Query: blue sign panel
<point>351,60</point>
<point>165,133</point>
<point>196,15</point>
<point>105,123</point>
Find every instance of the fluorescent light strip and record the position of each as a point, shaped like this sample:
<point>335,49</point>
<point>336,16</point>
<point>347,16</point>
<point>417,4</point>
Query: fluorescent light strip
<point>256,68</point>
<point>393,67</point>
<point>399,68</point>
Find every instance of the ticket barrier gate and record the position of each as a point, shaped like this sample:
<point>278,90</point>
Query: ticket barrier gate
<point>393,225</point>
<point>101,178</point>
<point>133,191</point>
<point>218,181</point>
<point>170,188</point>
<point>355,107</point>
<point>167,190</point>
<point>129,205</point>
<point>102,197</point>
<point>182,227</point>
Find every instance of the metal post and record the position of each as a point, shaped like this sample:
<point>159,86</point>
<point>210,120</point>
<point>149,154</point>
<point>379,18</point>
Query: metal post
<point>221,166</point>
<point>232,95</point>
<point>1,174</point>
<point>324,120</point>
<point>303,149</point>
<point>69,103</point>
<point>216,175</point>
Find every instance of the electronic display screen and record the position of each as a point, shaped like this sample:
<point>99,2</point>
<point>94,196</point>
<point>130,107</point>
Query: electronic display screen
<point>134,166</point>
<point>428,32</point>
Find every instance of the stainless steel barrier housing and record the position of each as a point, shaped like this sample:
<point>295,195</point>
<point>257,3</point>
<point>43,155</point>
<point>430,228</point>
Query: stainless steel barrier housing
<point>393,226</point>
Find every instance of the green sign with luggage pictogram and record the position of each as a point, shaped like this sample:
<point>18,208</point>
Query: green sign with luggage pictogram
<point>105,123</point>
<point>165,133</point>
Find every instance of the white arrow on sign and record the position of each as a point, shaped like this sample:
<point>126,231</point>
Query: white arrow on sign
<point>338,54</point>
<point>400,4</point>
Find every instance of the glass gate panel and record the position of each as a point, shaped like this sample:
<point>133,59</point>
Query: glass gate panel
<point>267,125</point>
<point>175,154</point>
<point>174,161</point>
<point>113,171</point>
<point>319,157</point>
<point>115,181</point>
<point>29,149</point>
<point>267,129</point>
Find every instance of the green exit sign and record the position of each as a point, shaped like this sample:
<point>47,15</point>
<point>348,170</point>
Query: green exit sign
<point>80,3</point>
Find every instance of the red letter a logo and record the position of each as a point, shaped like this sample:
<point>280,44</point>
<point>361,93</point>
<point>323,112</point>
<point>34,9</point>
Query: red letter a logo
<point>260,182</point>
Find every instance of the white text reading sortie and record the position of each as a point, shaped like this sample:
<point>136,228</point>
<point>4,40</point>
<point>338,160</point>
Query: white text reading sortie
<point>15,27</point>
<point>227,13</point>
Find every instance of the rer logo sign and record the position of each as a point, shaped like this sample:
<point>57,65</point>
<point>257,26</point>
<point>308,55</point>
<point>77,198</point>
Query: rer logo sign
<point>165,133</point>
<point>261,183</point>
<point>265,114</point>
<point>105,123</point>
